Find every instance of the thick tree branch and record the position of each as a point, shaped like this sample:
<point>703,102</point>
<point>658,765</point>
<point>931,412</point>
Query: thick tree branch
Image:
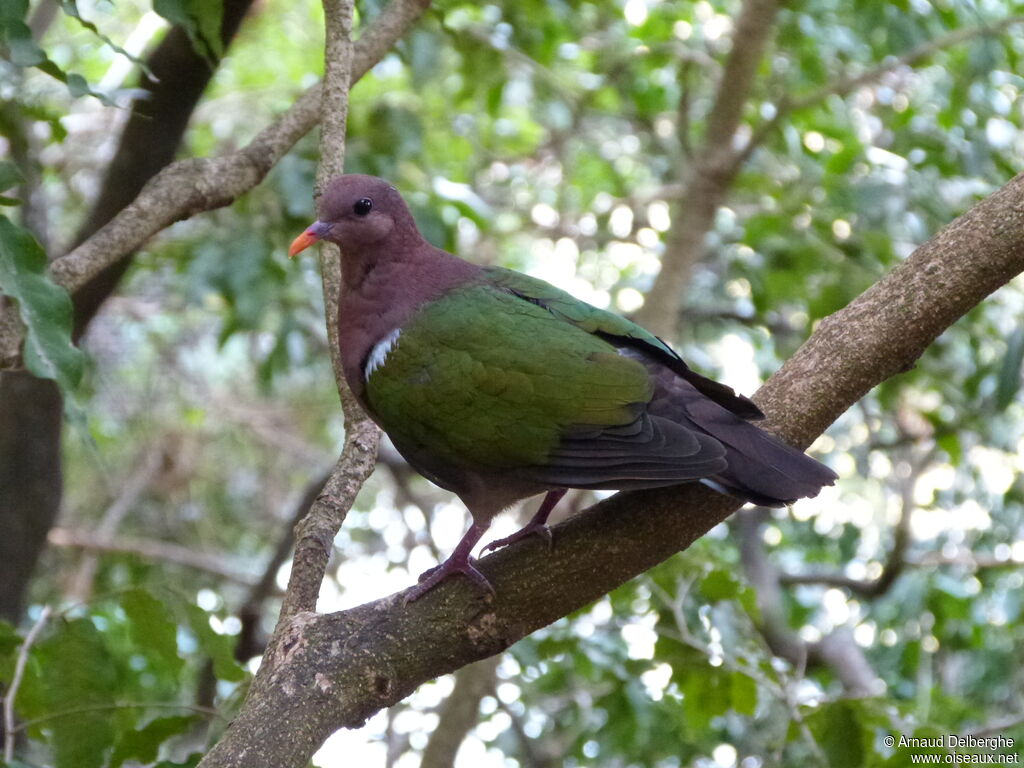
<point>323,672</point>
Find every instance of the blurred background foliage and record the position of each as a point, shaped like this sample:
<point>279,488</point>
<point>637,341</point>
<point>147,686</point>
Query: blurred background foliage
<point>552,137</point>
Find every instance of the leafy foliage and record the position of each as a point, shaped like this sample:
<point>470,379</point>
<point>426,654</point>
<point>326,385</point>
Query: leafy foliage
<point>22,50</point>
<point>100,683</point>
<point>554,138</point>
<point>45,307</point>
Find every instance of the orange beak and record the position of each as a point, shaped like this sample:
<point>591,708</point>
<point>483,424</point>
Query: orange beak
<point>303,241</point>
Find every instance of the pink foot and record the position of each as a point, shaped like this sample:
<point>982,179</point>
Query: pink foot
<point>459,562</point>
<point>433,577</point>
<point>537,525</point>
<point>528,530</point>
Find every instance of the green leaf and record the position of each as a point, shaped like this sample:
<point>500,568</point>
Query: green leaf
<point>23,51</point>
<point>1009,373</point>
<point>707,693</point>
<point>152,627</point>
<point>143,744</point>
<point>744,693</point>
<point>70,7</point>
<point>9,175</point>
<point>201,20</point>
<point>838,730</point>
<point>10,641</point>
<point>220,648</point>
<point>720,584</point>
<point>21,48</point>
<point>75,682</point>
<point>45,307</point>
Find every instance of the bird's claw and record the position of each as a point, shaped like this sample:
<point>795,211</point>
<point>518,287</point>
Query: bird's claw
<point>434,576</point>
<point>538,529</point>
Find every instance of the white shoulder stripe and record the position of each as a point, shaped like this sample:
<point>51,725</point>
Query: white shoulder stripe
<point>379,354</point>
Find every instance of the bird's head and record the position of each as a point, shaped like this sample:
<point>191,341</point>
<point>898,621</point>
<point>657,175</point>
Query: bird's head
<point>356,211</point>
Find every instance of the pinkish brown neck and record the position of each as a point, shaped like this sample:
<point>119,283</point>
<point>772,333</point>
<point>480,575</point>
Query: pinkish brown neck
<point>380,293</point>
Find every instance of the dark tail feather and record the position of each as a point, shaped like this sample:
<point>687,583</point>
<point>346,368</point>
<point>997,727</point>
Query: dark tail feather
<point>761,468</point>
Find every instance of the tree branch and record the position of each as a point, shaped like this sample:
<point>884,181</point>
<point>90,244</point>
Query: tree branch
<point>315,534</point>
<point>460,712</point>
<point>151,549</point>
<point>250,643</point>
<point>709,177</point>
<point>325,672</point>
<point>12,691</point>
<point>845,84</point>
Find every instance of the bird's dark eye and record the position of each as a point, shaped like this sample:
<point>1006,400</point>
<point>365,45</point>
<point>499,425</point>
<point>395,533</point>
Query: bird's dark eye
<point>363,206</point>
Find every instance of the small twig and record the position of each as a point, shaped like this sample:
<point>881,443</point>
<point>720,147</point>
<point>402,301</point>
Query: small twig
<point>131,491</point>
<point>209,711</point>
<point>847,83</point>
<point>19,672</point>
<point>151,549</point>
<point>997,727</point>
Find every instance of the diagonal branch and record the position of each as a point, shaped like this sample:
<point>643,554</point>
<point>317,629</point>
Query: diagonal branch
<point>332,671</point>
<point>707,180</point>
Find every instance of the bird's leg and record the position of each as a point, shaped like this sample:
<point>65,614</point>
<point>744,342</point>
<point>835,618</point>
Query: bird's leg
<point>537,525</point>
<point>458,562</point>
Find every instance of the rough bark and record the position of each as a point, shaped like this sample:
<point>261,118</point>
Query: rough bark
<point>323,672</point>
<point>30,480</point>
<point>315,534</point>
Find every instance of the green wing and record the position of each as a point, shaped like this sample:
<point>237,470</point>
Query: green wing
<point>481,377</point>
<point>621,332</point>
<point>486,378</point>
